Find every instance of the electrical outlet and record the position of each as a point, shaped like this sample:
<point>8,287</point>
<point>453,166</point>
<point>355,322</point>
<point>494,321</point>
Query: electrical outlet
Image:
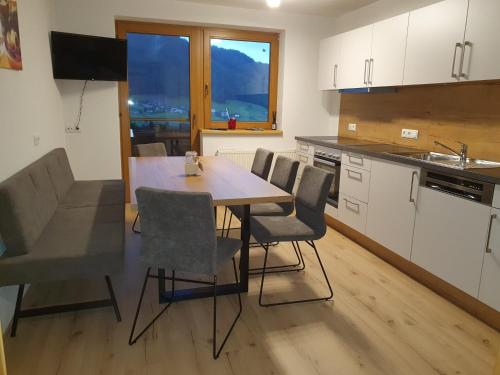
<point>36,139</point>
<point>351,127</point>
<point>409,133</point>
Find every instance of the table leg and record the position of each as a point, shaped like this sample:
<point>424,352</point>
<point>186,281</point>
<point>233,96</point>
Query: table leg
<point>244,256</point>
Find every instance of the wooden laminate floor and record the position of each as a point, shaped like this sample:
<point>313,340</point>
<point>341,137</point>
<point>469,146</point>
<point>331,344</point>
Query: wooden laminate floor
<point>381,322</point>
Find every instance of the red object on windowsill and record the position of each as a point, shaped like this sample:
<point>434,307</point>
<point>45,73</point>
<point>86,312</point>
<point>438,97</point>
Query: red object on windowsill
<point>231,123</point>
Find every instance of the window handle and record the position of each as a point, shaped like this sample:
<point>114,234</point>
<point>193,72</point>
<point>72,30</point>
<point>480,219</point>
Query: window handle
<point>206,89</point>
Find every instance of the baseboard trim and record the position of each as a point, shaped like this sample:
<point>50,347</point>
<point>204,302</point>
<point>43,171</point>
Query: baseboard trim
<point>466,302</point>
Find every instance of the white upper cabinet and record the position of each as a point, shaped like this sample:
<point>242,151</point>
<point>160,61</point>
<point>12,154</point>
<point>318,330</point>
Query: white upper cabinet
<point>388,52</point>
<point>355,59</point>
<point>329,59</point>
<point>435,43</point>
<point>392,205</point>
<point>482,41</point>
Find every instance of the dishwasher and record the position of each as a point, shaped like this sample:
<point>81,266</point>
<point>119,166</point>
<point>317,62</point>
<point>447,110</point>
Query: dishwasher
<point>451,231</point>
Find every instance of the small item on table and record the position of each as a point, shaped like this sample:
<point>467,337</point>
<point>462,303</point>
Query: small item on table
<point>191,166</point>
<point>231,123</point>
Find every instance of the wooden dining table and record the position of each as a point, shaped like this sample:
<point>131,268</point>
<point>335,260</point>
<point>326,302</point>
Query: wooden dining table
<point>229,185</point>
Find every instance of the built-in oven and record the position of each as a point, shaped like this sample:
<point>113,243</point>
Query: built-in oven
<point>329,159</point>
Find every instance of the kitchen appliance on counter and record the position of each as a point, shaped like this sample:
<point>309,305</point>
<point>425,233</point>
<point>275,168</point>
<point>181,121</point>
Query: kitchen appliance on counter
<point>329,159</point>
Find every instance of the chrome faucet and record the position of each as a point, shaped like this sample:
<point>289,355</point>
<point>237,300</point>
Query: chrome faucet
<point>462,154</point>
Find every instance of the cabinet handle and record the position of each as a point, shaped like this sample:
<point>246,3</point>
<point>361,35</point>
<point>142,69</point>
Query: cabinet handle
<point>370,72</point>
<point>335,75</point>
<point>488,249</point>
<point>355,162</point>
<point>304,147</point>
<point>453,75</point>
<point>347,202</point>
<point>303,159</point>
<point>461,72</point>
<point>364,74</point>
<point>349,171</point>
<point>414,173</point>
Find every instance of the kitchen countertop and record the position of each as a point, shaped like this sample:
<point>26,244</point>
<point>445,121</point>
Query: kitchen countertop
<point>396,153</point>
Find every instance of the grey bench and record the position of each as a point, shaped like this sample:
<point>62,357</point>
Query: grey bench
<point>56,228</point>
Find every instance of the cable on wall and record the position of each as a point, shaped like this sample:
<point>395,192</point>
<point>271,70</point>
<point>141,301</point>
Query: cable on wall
<point>79,117</point>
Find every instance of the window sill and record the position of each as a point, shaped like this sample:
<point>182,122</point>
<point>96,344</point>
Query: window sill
<point>242,132</point>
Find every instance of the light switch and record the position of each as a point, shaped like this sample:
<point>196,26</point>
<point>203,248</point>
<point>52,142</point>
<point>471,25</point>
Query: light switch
<point>409,133</point>
<point>351,127</point>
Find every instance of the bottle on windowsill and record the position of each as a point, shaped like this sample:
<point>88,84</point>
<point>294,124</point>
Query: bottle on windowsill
<point>274,126</point>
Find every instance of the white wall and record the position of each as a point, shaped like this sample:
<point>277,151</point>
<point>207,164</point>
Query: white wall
<point>302,109</point>
<point>29,103</point>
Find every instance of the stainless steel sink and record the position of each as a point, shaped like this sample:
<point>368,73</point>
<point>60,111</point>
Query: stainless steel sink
<point>453,161</point>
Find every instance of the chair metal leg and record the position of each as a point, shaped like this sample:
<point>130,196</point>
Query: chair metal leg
<point>19,301</point>
<point>296,267</point>
<point>132,340</point>
<point>113,299</point>
<point>327,298</point>
<point>228,225</point>
<point>216,352</point>
<point>135,223</point>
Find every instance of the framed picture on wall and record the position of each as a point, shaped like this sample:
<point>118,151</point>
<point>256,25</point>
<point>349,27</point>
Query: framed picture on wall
<point>10,43</point>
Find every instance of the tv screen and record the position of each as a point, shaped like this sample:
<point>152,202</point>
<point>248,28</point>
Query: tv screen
<point>86,57</point>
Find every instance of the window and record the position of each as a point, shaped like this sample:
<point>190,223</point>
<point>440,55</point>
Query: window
<point>240,72</point>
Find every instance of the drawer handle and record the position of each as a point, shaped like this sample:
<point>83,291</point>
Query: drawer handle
<point>488,249</point>
<point>303,159</point>
<point>352,159</point>
<point>304,147</point>
<point>351,172</point>
<point>347,202</point>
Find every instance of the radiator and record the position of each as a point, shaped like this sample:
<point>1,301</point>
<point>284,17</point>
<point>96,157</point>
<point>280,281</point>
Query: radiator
<point>245,158</point>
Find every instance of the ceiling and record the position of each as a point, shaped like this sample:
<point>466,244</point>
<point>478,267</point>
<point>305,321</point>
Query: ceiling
<point>332,8</point>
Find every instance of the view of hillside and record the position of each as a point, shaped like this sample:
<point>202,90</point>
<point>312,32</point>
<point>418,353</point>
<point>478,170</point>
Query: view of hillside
<point>159,79</point>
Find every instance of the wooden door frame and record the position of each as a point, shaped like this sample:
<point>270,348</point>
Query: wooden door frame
<point>250,36</point>
<point>195,34</point>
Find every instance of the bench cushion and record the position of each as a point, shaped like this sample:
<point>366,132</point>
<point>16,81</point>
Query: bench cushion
<point>76,243</point>
<point>95,193</point>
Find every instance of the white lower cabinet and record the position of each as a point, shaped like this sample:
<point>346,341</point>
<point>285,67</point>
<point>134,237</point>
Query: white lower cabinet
<point>392,205</point>
<point>450,238</point>
<point>352,212</point>
<point>489,291</point>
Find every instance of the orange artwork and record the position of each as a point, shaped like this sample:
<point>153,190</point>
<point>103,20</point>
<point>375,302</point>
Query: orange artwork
<point>10,44</point>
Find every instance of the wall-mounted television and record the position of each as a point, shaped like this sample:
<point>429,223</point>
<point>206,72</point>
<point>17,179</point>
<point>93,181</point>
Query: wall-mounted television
<point>85,57</point>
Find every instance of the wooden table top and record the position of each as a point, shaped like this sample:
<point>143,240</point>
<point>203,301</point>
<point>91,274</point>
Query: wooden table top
<point>228,183</point>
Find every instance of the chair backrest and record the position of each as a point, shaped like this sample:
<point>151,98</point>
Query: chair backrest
<point>29,199</point>
<point>284,173</point>
<point>311,198</point>
<point>150,149</point>
<point>178,230</point>
<point>262,161</point>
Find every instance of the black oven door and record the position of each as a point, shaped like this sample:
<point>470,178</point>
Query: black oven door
<point>331,166</point>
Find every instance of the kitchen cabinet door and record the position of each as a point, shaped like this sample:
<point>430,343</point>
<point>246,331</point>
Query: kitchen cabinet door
<point>432,54</point>
<point>482,41</point>
<point>355,57</point>
<point>388,51</point>
<point>489,291</point>
<point>329,59</point>
<point>450,238</point>
<point>392,205</point>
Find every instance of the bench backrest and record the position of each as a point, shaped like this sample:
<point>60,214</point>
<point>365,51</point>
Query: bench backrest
<point>29,199</point>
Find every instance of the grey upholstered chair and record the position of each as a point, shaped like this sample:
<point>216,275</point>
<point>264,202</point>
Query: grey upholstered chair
<point>179,234</point>
<point>261,167</point>
<point>307,225</point>
<point>148,150</point>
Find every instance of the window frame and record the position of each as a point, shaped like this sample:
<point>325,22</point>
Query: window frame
<point>243,35</point>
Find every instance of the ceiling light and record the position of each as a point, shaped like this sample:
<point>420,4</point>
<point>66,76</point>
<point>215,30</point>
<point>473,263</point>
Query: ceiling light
<point>273,3</point>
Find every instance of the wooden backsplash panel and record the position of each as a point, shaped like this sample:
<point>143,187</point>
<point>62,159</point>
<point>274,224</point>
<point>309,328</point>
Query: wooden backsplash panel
<point>469,113</point>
